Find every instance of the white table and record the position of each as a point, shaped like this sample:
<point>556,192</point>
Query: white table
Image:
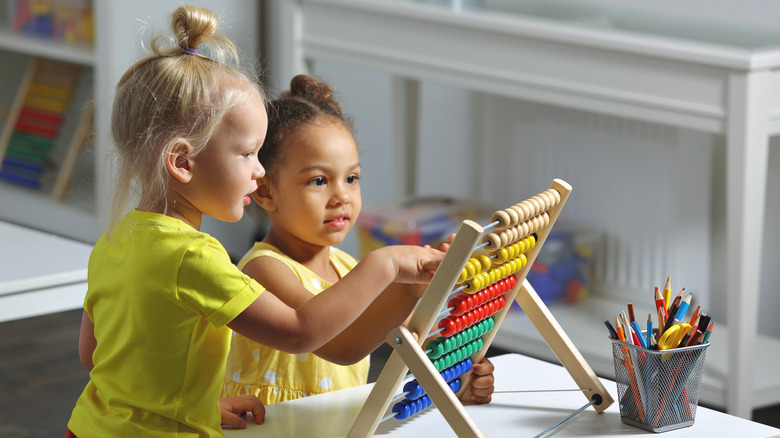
<point>680,73</point>
<point>40,273</point>
<point>509,414</point>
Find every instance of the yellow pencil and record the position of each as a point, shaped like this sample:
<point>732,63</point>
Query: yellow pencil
<point>668,292</point>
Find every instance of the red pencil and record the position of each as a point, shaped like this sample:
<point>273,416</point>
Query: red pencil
<point>659,300</point>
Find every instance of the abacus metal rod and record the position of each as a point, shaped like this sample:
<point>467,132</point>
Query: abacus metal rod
<point>491,225</point>
<point>541,390</point>
<point>596,400</point>
<point>387,417</point>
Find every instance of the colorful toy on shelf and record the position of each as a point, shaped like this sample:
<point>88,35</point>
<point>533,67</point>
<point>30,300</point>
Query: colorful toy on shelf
<point>67,21</point>
<point>33,126</point>
<point>421,221</point>
<point>559,273</point>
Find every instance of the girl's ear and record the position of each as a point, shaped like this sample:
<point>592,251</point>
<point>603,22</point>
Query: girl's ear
<point>263,195</point>
<point>178,160</point>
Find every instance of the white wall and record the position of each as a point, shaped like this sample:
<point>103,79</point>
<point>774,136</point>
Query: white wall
<point>656,187</point>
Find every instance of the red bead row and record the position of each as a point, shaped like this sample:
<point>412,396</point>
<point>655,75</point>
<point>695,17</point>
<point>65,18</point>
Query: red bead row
<point>455,323</point>
<point>464,302</point>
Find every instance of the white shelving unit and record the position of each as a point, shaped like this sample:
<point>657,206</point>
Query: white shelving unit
<point>685,73</point>
<point>122,30</point>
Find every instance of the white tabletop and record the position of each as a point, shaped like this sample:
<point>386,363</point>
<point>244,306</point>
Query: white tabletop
<point>509,414</point>
<point>40,272</point>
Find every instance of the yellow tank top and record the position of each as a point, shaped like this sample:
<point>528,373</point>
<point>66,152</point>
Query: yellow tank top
<point>274,376</point>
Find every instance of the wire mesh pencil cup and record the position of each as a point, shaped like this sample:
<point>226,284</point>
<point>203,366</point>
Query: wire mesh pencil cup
<point>658,390</point>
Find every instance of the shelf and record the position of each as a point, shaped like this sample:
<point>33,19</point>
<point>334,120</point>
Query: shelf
<point>583,322</point>
<point>75,219</point>
<point>45,48</point>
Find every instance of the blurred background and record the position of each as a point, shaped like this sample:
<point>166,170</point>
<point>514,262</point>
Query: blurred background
<point>661,115</point>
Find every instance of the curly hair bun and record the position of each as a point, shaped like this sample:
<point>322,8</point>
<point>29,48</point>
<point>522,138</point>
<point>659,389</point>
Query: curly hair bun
<point>308,88</point>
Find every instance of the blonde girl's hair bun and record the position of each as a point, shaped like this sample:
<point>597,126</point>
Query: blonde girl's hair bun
<point>192,28</point>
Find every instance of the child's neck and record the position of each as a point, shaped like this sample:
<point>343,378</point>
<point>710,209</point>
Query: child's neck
<point>175,209</point>
<point>314,257</point>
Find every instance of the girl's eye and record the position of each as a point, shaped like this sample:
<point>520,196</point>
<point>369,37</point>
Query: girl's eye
<point>318,181</point>
<point>352,179</point>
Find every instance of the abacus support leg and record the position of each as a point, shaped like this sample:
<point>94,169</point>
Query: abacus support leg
<point>430,379</point>
<point>561,345</point>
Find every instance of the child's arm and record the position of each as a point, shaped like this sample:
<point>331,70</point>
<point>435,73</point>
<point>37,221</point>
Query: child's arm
<point>364,335</point>
<point>87,341</point>
<point>319,320</point>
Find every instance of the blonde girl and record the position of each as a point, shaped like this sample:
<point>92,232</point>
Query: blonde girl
<point>311,193</point>
<point>162,296</point>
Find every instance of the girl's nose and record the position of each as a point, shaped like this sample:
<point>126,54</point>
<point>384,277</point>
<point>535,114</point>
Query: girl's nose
<point>258,172</point>
<point>341,196</point>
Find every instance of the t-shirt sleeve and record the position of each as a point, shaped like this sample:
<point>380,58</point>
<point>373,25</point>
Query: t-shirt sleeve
<point>210,284</point>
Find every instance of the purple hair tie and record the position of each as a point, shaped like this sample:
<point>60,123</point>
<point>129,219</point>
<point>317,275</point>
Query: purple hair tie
<point>192,51</point>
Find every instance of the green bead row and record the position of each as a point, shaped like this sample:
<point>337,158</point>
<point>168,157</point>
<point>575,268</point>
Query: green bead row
<point>458,355</point>
<point>440,346</point>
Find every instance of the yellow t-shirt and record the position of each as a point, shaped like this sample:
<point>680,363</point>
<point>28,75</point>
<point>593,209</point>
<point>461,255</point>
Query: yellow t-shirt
<point>160,294</point>
<point>274,376</point>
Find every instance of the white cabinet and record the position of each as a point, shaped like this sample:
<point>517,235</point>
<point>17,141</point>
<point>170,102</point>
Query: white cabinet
<point>122,30</point>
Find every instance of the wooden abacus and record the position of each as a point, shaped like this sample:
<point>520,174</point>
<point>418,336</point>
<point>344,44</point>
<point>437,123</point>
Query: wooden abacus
<point>471,262</point>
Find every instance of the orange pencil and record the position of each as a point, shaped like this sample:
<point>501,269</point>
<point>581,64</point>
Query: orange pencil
<point>619,330</point>
<point>695,316</point>
<point>630,370</point>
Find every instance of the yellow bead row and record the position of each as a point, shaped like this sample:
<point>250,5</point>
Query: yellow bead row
<point>485,279</point>
<point>508,252</point>
<point>474,266</point>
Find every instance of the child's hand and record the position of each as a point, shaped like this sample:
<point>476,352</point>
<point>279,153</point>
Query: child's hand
<point>481,387</point>
<point>411,264</point>
<point>444,246</point>
<point>235,408</point>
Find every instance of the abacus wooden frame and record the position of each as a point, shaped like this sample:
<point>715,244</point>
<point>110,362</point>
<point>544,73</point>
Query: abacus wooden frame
<point>407,341</point>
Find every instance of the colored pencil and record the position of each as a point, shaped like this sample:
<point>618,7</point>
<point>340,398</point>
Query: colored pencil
<point>684,306</point>
<point>668,293</point>
<point>612,333</point>
<point>661,323</point>
<point>708,333</point>
<point>638,333</point>
<point>695,316</point>
<point>649,333</point>
<point>659,299</point>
